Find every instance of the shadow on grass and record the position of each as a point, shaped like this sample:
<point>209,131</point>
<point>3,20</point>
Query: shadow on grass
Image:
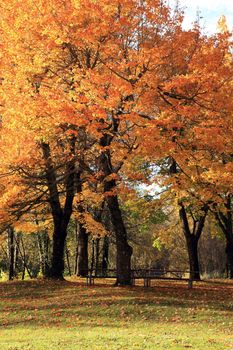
<point>42,303</point>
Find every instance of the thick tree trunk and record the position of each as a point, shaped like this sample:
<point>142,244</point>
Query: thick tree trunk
<point>192,237</point>
<point>226,224</point>
<point>192,245</point>
<point>59,239</point>
<point>124,253</point>
<point>82,253</point>
<point>61,216</point>
<point>124,250</point>
<point>229,254</point>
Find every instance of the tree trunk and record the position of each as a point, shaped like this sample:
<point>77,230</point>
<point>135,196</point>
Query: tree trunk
<point>124,250</point>
<point>97,256</point>
<point>92,256</point>
<point>192,245</point>
<point>68,261</point>
<point>105,255</point>
<point>23,255</point>
<point>24,270</point>
<point>44,267</point>
<point>225,222</point>
<point>82,235</point>
<point>76,253</point>
<point>43,245</point>
<point>124,253</point>
<point>229,254</point>
<point>11,249</point>
<point>46,250</point>
<point>61,216</point>
<point>192,236</point>
<point>82,252</point>
<point>16,256</point>
<point>59,239</point>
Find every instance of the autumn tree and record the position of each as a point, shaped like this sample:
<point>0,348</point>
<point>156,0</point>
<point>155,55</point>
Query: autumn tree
<point>194,125</point>
<point>96,85</point>
<point>81,66</point>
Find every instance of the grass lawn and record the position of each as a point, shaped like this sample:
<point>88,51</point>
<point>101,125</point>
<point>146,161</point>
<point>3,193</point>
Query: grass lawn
<point>44,315</point>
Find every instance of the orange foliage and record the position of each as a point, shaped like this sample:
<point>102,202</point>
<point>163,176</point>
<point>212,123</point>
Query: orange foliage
<point>74,68</point>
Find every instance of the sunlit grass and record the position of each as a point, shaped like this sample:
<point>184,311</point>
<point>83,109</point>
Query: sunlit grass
<point>41,315</point>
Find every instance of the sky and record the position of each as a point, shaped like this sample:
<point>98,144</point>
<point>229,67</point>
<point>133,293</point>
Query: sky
<point>210,10</point>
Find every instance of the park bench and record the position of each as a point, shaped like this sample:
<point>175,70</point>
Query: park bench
<point>147,275</point>
<point>92,274</point>
<point>152,274</point>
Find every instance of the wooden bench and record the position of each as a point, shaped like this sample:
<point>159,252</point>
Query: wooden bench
<point>152,274</point>
<point>147,275</point>
<point>92,274</point>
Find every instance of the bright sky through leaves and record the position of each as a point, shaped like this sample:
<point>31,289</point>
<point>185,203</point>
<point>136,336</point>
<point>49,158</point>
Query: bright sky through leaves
<point>210,11</point>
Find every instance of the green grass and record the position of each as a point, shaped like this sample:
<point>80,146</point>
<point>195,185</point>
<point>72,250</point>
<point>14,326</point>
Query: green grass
<point>43,315</point>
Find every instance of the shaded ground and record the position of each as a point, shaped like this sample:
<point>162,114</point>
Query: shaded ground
<point>41,315</point>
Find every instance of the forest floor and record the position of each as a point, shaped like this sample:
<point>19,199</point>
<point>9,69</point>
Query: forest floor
<point>45,315</point>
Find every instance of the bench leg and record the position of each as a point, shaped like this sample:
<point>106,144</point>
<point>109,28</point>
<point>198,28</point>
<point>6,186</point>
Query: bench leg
<point>147,282</point>
<point>190,283</point>
<point>90,281</point>
<point>133,281</point>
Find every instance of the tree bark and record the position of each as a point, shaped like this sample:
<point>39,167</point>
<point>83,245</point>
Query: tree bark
<point>97,256</point>
<point>225,222</point>
<point>61,216</point>
<point>229,254</point>
<point>82,235</point>
<point>105,255</point>
<point>11,250</point>
<point>23,256</point>
<point>76,253</point>
<point>16,256</point>
<point>92,256</point>
<point>192,245</point>
<point>82,252</point>
<point>59,239</point>
<point>46,246</point>
<point>42,238</point>
<point>192,238</point>
<point>68,260</point>
<point>124,250</point>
